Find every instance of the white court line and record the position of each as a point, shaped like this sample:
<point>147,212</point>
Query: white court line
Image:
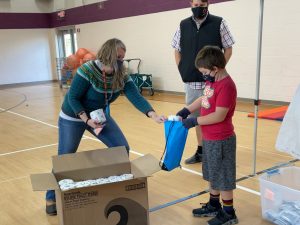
<point>27,149</point>
<point>272,153</point>
<point>30,149</point>
<point>48,124</point>
<point>238,186</point>
<point>30,118</point>
<point>134,152</point>
<point>192,171</point>
<point>39,121</point>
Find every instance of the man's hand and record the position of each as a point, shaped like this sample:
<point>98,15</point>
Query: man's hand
<point>190,122</point>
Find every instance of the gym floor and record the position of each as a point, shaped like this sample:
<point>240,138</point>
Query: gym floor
<point>29,134</point>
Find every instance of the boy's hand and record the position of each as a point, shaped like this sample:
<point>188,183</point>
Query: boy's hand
<point>183,113</point>
<point>190,122</point>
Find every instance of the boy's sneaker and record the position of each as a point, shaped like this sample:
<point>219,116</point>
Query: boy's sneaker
<point>223,218</point>
<point>207,210</point>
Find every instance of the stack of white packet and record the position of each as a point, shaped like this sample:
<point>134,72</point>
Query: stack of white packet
<point>68,184</point>
<point>173,118</point>
<point>288,213</point>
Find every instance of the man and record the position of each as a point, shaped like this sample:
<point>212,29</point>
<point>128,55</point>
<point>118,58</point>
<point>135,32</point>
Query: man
<point>193,34</point>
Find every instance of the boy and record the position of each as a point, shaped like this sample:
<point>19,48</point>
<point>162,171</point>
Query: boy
<point>217,107</point>
<point>193,33</point>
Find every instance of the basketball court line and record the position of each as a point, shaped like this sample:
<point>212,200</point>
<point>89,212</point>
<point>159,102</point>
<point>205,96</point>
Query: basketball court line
<point>54,126</point>
<point>134,152</point>
<point>27,149</point>
<point>94,139</point>
<point>33,148</point>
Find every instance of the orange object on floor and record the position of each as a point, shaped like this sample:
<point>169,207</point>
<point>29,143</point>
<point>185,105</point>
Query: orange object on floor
<point>272,114</point>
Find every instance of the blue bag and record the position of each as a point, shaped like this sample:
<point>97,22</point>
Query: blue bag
<point>175,134</point>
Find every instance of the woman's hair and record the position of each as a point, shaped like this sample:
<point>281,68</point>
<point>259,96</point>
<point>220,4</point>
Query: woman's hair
<point>210,56</point>
<point>108,55</point>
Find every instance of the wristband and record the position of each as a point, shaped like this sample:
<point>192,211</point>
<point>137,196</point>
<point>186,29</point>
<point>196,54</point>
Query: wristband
<point>151,110</point>
<point>86,122</point>
<point>82,112</point>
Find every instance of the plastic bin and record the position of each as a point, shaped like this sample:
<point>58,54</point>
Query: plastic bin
<point>280,195</point>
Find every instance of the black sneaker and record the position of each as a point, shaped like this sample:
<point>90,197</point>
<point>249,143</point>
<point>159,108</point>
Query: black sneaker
<point>223,218</point>
<point>51,210</point>
<point>196,158</point>
<point>207,210</point>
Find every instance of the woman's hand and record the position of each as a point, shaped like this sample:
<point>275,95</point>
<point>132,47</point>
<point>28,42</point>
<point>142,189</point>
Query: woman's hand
<point>94,124</point>
<point>157,118</point>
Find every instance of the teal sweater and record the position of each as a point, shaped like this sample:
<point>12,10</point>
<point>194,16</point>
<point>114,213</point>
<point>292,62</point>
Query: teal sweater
<point>87,92</point>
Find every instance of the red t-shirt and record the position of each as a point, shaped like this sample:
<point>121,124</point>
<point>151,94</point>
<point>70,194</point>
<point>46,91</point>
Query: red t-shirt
<point>219,94</point>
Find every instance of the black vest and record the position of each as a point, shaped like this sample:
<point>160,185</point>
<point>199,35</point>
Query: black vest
<point>193,40</point>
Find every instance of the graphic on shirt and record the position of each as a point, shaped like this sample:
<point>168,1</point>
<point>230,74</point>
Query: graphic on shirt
<point>207,93</point>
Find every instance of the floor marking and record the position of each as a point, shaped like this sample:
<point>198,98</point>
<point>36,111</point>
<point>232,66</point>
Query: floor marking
<point>33,148</point>
<point>27,149</point>
<point>134,152</point>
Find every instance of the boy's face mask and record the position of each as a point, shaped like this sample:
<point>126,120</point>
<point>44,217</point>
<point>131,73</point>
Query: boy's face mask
<point>208,77</point>
<point>200,12</point>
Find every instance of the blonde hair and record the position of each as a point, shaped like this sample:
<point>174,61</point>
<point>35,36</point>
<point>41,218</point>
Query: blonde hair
<point>108,55</point>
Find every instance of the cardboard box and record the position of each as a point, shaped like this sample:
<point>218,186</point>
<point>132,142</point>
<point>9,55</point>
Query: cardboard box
<point>125,202</point>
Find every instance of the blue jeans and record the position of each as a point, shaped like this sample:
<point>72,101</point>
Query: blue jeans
<point>70,134</point>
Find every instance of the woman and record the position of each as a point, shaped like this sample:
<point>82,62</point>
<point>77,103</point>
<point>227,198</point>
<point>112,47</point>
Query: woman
<point>95,85</point>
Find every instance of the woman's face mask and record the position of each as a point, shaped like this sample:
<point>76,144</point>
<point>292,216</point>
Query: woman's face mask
<point>200,12</point>
<point>119,64</point>
<point>120,58</point>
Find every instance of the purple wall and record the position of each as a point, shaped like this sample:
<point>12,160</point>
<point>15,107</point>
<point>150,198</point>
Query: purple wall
<point>24,20</point>
<point>111,9</point>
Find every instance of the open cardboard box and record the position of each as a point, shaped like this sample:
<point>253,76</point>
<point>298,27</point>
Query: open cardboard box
<point>124,202</point>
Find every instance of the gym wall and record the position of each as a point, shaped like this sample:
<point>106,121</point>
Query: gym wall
<point>148,36</point>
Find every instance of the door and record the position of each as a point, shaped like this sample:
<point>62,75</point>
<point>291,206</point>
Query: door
<point>67,44</point>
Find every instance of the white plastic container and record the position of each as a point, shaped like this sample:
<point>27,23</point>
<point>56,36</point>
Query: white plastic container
<point>98,115</point>
<point>278,187</point>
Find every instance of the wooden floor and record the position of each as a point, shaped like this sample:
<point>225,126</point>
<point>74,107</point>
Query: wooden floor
<point>29,139</point>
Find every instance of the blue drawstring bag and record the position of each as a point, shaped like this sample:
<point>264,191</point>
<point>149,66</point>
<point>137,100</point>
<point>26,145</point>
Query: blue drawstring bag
<point>175,134</point>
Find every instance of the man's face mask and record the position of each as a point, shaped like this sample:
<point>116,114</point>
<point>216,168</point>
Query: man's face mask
<point>208,77</point>
<point>200,12</point>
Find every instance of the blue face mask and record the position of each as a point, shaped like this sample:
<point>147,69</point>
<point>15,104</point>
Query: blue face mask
<point>208,77</point>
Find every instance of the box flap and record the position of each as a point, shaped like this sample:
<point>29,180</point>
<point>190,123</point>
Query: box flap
<point>43,182</point>
<point>145,166</point>
<point>89,159</point>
